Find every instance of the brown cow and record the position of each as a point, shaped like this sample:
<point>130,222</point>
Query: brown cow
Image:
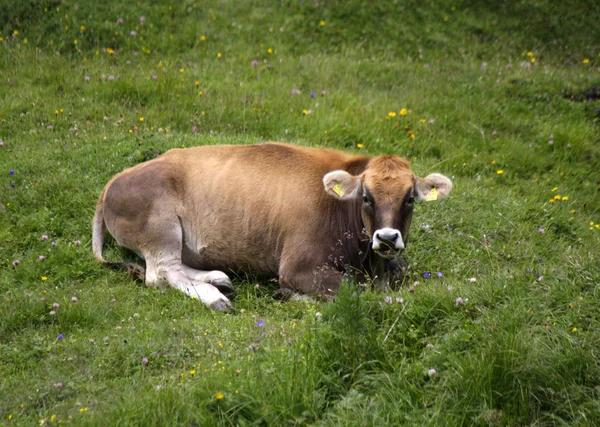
<point>307,215</point>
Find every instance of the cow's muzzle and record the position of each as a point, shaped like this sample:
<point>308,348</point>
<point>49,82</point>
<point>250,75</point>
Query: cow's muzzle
<point>387,242</point>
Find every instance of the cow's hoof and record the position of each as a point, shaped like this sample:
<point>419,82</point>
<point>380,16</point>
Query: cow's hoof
<point>283,294</point>
<point>224,286</point>
<point>221,305</point>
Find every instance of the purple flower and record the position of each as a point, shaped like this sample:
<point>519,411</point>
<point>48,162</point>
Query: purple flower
<point>494,133</point>
<point>58,385</point>
<point>399,300</point>
<point>56,305</point>
<point>432,372</point>
<point>427,275</point>
<point>142,20</point>
<point>60,336</point>
<point>44,237</point>
<point>15,263</point>
<point>323,93</point>
<point>388,300</point>
<point>42,258</point>
<point>1,143</point>
<point>154,76</point>
<point>133,33</point>
<point>92,341</point>
<point>52,313</point>
<point>145,360</point>
<point>439,274</point>
<point>541,230</point>
<point>260,323</point>
<point>551,136</point>
<point>459,301</point>
<point>13,185</point>
<point>483,65</point>
<point>87,78</point>
<point>509,65</point>
<point>54,244</point>
<point>111,77</point>
<point>73,299</point>
<point>77,242</point>
<point>430,346</point>
<point>431,121</point>
<point>12,172</point>
<point>295,92</point>
<point>313,95</point>
<point>254,63</point>
<point>120,21</point>
<point>472,280</point>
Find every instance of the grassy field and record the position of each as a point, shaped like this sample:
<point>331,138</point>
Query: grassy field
<point>497,321</point>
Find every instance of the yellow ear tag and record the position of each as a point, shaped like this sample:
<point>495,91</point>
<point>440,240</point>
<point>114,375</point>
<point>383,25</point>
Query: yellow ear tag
<point>432,195</point>
<point>337,189</point>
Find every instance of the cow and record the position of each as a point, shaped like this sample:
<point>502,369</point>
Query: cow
<point>308,216</point>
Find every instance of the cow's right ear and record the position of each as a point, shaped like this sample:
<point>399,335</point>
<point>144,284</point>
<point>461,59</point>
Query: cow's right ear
<point>341,185</point>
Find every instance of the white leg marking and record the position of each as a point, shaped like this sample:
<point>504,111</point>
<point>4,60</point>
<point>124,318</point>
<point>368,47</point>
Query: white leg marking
<point>205,276</point>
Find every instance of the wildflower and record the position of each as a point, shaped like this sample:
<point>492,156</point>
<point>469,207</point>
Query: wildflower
<point>203,38</point>
<point>541,230</point>
<point>565,198</point>
<point>323,93</point>
<point>499,171</point>
<point>439,274</point>
<point>54,244</point>
<point>557,197</point>
<point>1,143</point>
<point>494,133</point>
<point>44,278</point>
<point>56,305</point>
<point>142,20</point>
<point>586,61</point>
<point>306,112</point>
<point>322,23</point>
<point>58,385</point>
<point>483,65</point>
<point>530,54</point>
<point>532,60</point>
<point>411,290</point>
<point>92,341</point>
<point>120,21</point>
<point>473,280</point>
<point>391,114</point>
<point>574,330</point>
<point>554,189</point>
<point>254,63</point>
<point>52,313</point>
<point>141,119</point>
<point>110,51</point>
<point>551,201</point>
<point>42,258</point>
<point>270,51</point>
<point>219,55</point>
<point>144,360</point>
<point>317,314</point>
<point>87,78</point>
<point>15,263</point>
<point>16,32</point>
<point>432,372</point>
<point>422,121</point>
<point>427,275</point>
<point>359,145</point>
<point>219,396</point>
<point>133,33</point>
<point>430,121</point>
<point>429,346</point>
<point>459,301</point>
<point>388,300</point>
<point>572,211</point>
<point>260,323</point>
<point>11,172</point>
<point>295,92</point>
<point>403,112</point>
<point>73,299</point>
<point>193,372</point>
<point>60,336</point>
<point>313,95</point>
<point>84,409</point>
<point>509,65</point>
<point>399,300</point>
<point>77,242</point>
<point>44,237</point>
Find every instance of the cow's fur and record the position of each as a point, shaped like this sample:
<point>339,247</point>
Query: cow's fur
<point>306,215</point>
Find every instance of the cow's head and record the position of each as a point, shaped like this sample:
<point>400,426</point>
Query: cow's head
<point>387,190</point>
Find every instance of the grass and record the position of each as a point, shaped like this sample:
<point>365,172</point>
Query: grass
<point>520,349</point>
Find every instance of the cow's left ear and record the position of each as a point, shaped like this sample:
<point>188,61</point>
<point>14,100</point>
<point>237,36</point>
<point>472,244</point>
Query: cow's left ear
<point>433,186</point>
<point>341,185</point>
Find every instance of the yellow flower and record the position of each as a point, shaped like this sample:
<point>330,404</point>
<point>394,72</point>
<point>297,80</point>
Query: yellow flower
<point>422,120</point>
<point>493,162</point>
<point>84,409</point>
<point>499,171</point>
<point>82,28</point>
<point>193,372</point>
<point>110,51</point>
<point>322,23</point>
<point>557,197</point>
<point>574,330</point>
<point>201,93</point>
<point>75,41</point>
<point>403,112</point>
<point>219,55</point>
<point>532,60</point>
<point>160,65</point>
<point>219,396</point>
<point>551,201</point>
<point>141,119</point>
<point>597,226</point>
<point>529,53</point>
<point>62,110</point>
<point>56,112</point>
<point>53,418</point>
<point>554,189</point>
<point>565,198</point>
<point>203,38</point>
<point>270,51</point>
<point>16,32</point>
<point>359,145</point>
<point>305,112</point>
<point>44,278</point>
<point>591,222</point>
<point>586,61</point>
<point>197,83</point>
<point>391,114</point>
<point>572,212</point>
<point>181,70</point>
<point>10,417</point>
<point>1,39</point>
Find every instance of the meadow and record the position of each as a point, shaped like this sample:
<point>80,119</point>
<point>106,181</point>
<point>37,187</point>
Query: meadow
<point>496,322</point>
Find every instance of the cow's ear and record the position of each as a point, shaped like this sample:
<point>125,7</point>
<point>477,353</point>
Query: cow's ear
<point>433,186</point>
<point>341,185</point>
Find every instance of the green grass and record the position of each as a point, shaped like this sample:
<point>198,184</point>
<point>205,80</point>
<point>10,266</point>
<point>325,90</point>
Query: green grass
<point>521,350</point>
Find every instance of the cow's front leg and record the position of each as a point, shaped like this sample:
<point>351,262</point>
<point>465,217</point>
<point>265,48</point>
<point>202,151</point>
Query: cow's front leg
<point>216,278</point>
<point>316,279</point>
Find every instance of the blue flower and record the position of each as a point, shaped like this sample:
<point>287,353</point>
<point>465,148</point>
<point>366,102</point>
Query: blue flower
<point>12,172</point>
<point>439,274</point>
<point>260,323</point>
<point>60,336</point>
<point>313,95</point>
<point>427,275</point>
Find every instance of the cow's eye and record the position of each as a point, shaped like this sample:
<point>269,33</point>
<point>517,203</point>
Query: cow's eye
<point>410,201</point>
<point>366,201</point>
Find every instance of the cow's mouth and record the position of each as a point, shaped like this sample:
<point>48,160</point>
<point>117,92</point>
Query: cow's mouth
<point>388,253</point>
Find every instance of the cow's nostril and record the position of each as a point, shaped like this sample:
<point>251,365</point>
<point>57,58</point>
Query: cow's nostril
<point>387,238</point>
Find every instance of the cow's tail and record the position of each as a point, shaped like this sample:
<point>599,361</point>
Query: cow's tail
<point>98,230</point>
